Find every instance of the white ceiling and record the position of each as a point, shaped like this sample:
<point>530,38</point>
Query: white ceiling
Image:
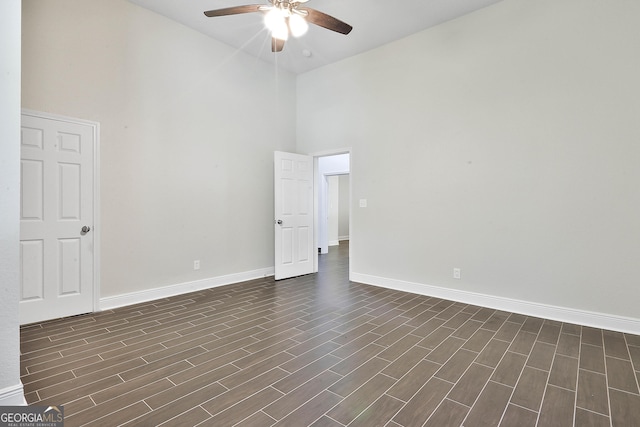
<point>375,22</point>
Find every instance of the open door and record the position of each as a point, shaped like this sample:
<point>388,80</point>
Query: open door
<point>293,225</point>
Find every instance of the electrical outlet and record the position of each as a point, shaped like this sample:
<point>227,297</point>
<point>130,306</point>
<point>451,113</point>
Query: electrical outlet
<point>457,273</point>
<point>196,264</point>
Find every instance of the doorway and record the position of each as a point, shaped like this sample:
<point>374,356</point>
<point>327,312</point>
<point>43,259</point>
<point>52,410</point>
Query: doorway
<point>332,205</point>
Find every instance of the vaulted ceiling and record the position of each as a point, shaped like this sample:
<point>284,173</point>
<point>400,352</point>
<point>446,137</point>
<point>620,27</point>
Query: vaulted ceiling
<point>374,22</point>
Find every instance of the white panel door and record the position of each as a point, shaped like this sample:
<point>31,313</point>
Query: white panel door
<point>293,201</point>
<point>57,201</point>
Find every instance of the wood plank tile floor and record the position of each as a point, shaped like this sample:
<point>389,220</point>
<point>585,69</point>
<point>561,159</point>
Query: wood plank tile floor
<point>318,351</point>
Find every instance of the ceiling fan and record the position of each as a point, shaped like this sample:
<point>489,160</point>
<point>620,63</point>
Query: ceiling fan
<point>284,17</point>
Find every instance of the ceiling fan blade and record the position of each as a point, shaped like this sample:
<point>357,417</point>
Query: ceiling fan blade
<point>276,45</point>
<point>326,21</point>
<point>236,10</point>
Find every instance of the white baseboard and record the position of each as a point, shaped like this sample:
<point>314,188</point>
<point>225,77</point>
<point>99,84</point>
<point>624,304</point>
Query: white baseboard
<point>13,396</point>
<point>334,242</point>
<point>562,314</point>
<point>115,301</point>
<point>343,237</point>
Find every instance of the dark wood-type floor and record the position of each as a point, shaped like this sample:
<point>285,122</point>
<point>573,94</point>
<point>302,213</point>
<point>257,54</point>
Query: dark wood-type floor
<point>319,350</point>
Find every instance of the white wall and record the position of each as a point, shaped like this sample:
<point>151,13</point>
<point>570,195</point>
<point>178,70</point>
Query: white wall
<point>188,127</point>
<point>11,392</point>
<point>337,208</point>
<point>343,207</point>
<point>333,208</point>
<point>504,143</point>
<point>333,165</point>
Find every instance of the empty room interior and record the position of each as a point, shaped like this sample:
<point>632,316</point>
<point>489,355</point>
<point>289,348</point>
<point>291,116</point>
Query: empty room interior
<point>485,270</point>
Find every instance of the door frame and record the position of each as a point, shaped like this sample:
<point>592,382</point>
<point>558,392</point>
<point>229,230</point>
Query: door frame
<point>95,128</point>
<point>316,203</point>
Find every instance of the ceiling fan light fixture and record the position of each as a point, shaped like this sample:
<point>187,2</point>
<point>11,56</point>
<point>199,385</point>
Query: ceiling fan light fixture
<point>298,25</point>
<point>284,17</point>
<point>281,32</point>
<point>275,22</point>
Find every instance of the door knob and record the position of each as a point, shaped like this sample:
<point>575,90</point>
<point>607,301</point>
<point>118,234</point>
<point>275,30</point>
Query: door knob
<point>85,229</point>
<point>279,222</point>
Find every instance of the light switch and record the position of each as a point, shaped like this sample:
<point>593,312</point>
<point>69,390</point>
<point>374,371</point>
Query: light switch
<point>363,203</point>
